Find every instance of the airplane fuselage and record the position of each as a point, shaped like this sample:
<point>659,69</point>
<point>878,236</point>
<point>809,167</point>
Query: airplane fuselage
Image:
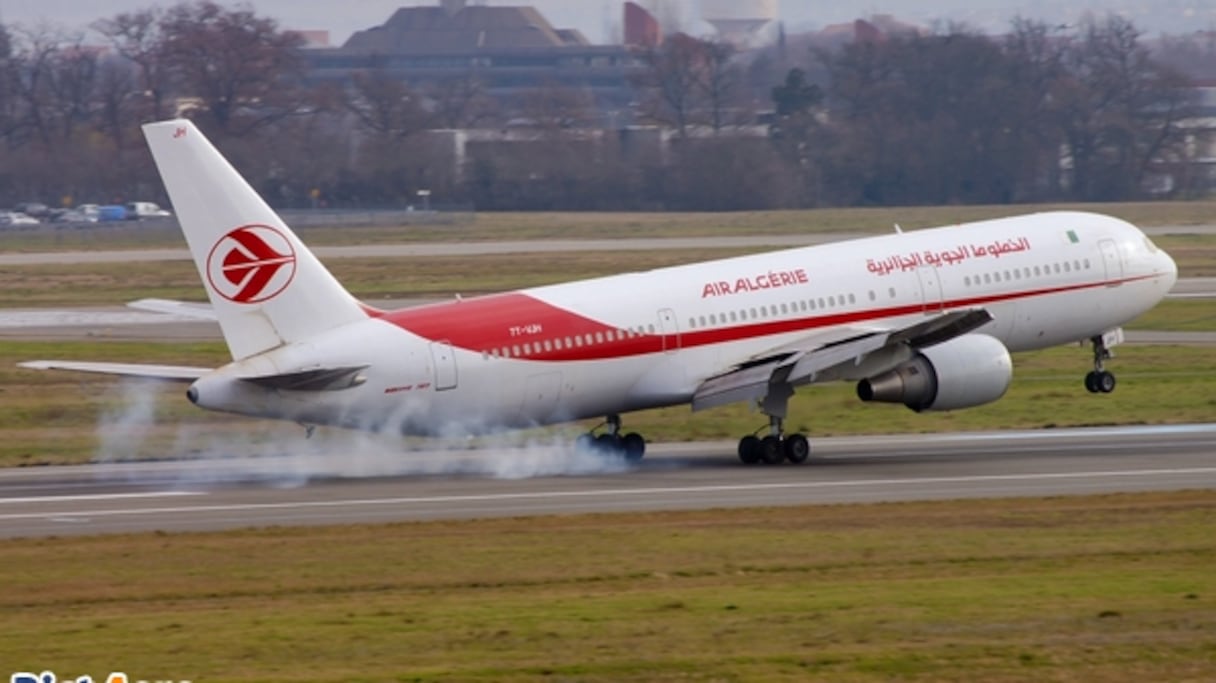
<point>649,339</point>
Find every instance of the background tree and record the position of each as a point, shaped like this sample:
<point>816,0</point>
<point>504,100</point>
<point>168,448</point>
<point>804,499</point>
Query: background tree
<point>718,80</point>
<point>1117,110</point>
<point>671,81</point>
<point>242,70</point>
<point>137,37</point>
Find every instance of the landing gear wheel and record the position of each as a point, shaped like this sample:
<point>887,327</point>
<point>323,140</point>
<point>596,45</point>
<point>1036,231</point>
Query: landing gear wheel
<point>797,448</point>
<point>585,443</point>
<point>633,446</point>
<point>1091,382</point>
<point>1100,381</point>
<point>749,450</point>
<point>607,444</point>
<point>771,452</point>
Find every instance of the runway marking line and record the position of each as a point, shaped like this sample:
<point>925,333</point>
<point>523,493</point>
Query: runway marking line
<point>99,496</point>
<point>608,492</point>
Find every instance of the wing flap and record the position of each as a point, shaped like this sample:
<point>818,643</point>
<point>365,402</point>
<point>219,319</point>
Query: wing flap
<point>748,384</point>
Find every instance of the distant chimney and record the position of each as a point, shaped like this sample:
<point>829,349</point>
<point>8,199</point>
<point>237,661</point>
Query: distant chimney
<point>452,6</point>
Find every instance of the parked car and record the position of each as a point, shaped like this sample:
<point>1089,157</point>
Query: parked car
<point>138,210</point>
<point>74,216</point>
<point>111,212</point>
<point>32,209</point>
<point>16,218</point>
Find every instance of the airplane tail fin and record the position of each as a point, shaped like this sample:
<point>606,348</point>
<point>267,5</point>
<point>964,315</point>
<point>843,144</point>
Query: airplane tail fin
<point>266,287</point>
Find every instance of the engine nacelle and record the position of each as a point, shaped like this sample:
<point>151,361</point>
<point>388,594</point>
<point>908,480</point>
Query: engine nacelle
<point>966,371</point>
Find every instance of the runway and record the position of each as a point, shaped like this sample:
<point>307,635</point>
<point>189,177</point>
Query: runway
<point>232,493</point>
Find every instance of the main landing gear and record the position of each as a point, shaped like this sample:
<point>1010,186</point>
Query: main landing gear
<point>1100,380</point>
<point>631,446</point>
<point>777,446</point>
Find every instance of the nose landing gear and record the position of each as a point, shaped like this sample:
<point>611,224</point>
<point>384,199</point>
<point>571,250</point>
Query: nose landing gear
<point>1100,380</point>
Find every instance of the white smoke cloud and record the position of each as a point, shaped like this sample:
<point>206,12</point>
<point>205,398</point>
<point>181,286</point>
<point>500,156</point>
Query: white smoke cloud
<point>281,454</point>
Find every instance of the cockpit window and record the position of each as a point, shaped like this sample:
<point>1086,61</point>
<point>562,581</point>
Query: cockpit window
<point>1148,244</point>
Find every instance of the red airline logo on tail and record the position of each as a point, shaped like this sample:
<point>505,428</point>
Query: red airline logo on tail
<point>251,264</point>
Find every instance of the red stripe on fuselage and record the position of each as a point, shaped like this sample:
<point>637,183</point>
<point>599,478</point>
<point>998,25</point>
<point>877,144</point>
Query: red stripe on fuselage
<point>513,321</point>
<point>507,322</point>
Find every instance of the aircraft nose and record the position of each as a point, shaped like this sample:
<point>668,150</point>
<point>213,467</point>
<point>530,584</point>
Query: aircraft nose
<point>1169,268</point>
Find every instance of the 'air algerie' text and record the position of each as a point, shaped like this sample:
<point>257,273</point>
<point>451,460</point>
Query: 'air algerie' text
<point>769,280</point>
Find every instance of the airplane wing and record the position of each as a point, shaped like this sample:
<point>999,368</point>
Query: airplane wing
<point>166,373</point>
<point>168,306</point>
<point>829,356</point>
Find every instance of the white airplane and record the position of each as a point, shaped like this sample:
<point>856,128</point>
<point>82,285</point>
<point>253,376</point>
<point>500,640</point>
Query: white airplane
<point>925,318</point>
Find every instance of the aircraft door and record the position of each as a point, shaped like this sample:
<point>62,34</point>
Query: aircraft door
<point>930,290</point>
<point>670,330</point>
<point>444,358</point>
<point>1113,262</point>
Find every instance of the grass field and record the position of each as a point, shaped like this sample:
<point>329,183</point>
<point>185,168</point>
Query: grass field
<point>1110,588</point>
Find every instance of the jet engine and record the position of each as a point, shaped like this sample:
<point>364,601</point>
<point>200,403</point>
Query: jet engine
<point>966,371</point>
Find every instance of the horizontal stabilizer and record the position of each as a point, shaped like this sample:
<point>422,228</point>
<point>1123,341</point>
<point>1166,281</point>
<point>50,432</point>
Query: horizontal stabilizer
<point>317,379</point>
<point>165,373</point>
<point>170,307</point>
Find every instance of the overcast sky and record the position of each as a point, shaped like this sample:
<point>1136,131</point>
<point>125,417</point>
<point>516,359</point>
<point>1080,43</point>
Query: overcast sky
<point>595,17</point>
